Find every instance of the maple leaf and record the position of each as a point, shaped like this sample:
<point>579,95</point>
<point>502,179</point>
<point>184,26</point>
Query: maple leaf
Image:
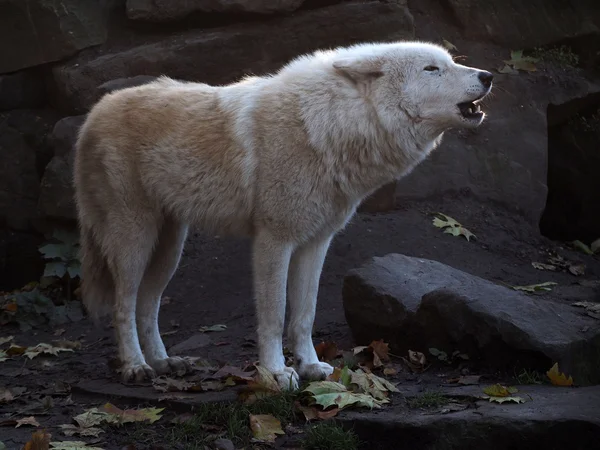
<point>71,445</point>
<point>263,384</point>
<point>27,421</point>
<point>4,340</point>
<point>235,373</point>
<point>15,350</point>
<point>513,399</point>
<point>72,430</point>
<point>520,62</point>
<point>312,413</point>
<point>42,348</point>
<point>416,361</point>
<point>212,328</point>
<point>326,351</point>
<point>592,309</point>
<point>577,269</point>
<point>543,266</point>
<point>265,427</point>
<point>40,440</point>
<point>497,390</point>
<point>558,378</point>
<point>448,45</point>
<point>330,393</point>
<point>451,226</point>
<point>6,395</point>
<point>532,288</point>
<point>93,417</point>
<point>166,384</point>
<point>133,415</point>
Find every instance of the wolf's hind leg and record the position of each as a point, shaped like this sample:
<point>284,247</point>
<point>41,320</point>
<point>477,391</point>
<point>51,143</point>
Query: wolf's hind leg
<point>159,272</point>
<point>130,240</point>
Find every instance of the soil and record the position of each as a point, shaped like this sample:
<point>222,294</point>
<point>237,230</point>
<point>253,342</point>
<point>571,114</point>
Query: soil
<point>213,286</point>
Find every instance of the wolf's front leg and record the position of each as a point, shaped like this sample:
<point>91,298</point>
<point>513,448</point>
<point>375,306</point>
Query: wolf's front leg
<point>303,285</point>
<point>271,259</point>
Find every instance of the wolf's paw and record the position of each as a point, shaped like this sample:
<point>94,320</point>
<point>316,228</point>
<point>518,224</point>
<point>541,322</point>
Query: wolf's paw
<point>287,379</point>
<point>137,372</point>
<point>171,364</point>
<point>316,371</point>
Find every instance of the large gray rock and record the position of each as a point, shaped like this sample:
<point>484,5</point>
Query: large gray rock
<point>526,24</point>
<point>35,32</point>
<point>168,10</point>
<point>56,198</point>
<point>225,55</point>
<point>21,90</point>
<point>418,304</point>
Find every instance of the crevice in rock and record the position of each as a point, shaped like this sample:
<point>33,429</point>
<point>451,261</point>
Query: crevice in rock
<point>571,210</point>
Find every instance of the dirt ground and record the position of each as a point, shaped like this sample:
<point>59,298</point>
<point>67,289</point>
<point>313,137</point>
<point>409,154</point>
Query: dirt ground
<point>213,286</point>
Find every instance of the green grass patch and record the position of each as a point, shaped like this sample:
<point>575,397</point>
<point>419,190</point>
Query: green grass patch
<point>329,436</point>
<point>530,377</point>
<point>428,399</point>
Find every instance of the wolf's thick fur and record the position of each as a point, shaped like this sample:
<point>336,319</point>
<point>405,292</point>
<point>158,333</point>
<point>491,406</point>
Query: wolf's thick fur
<point>284,159</point>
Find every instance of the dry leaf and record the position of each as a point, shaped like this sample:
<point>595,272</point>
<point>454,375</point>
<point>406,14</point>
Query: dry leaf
<point>3,356</point>
<point>591,309</point>
<point>389,371</point>
<point>581,246</point>
<point>532,288</point>
<point>327,351</point>
<point>497,390</point>
<point>27,421</point>
<point>543,266</point>
<point>448,45</point>
<point>59,332</point>
<point>520,62</point>
<point>40,440</point>
<point>72,430</point>
<point>4,340</point>
<point>577,269</point>
<point>265,427</point>
<point>512,399</point>
<point>217,327</point>
<point>451,226</point>
<point>71,445</point>
<point>557,378</point>
<point>5,395</point>
<point>416,361</point>
<point>42,348</point>
<point>133,415</point>
<point>312,413</point>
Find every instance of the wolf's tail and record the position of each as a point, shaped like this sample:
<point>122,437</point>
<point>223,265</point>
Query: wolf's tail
<point>97,284</point>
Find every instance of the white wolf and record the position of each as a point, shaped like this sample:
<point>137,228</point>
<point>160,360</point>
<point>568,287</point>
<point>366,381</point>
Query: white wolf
<point>284,159</point>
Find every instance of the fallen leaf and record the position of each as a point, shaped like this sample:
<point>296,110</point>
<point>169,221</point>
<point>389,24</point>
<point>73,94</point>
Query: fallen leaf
<point>439,354</point>
<point>27,421</point>
<point>165,301</point>
<point>330,393</point>
<point>72,430</point>
<point>520,62</point>
<point>577,269</point>
<point>71,445</point>
<point>453,407</point>
<point>40,440</point>
<point>42,348</point>
<point>448,45</point>
<point>235,373</point>
<point>265,427</point>
<point>150,415</point>
<point>326,351</point>
<point>72,345</point>
<point>512,399</point>
<point>213,328</point>
<point>497,390</point>
<point>166,384</point>
<point>543,266</point>
<point>557,378</point>
<point>313,413</point>
<point>93,417</point>
<point>4,340</point>
<point>15,350</point>
<point>507,70</point>
<point>590,307</point>
<point>467,380</point>
<point>59,332</point>
<point>532,288</point>
<point>6,395</point>
<point>169,333</point>
<point>3,356</point>
<point>595,246</point>
<point>390,371</point>
<point>581,246</point>
<point>416,361</point>
<point>381,350</point>
<point>451,226</point>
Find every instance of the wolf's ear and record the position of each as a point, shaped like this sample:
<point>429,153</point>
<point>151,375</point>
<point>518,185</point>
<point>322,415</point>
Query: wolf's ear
<point>358,69</point>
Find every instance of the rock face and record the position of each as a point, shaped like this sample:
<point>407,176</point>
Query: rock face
<point>225,55</point>
<point>526,24</point>
<point>56,192</point>
<point>21,90</point>
<point>418,304</point>
<point>39,31</point>
<point>168,10</point>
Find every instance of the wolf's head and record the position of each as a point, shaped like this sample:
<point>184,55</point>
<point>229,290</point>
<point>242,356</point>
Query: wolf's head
<point>416,81</point>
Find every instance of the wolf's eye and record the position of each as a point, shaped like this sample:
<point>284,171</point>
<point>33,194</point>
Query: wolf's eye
<point>431,68</point>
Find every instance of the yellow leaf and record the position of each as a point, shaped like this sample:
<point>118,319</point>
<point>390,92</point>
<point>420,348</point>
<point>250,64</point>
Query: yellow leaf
<point>448,45</point>
<point>497,390</point>
<point>451,226</point>
<point>507,399</point>
<point>265,427</point>
<point>557,378</point>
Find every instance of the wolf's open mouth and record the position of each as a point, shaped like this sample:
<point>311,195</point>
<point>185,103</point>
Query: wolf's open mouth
<point>470,110</point>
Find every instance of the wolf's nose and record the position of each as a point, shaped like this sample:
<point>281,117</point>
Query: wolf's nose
<point>486,78</point>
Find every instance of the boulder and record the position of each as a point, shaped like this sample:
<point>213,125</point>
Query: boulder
<point>226,54</point>
<point>20,260</point>
<point>418,303</point>
<point>122,83</point>
<point>526,24</point>
<point>56,198</point>
<point>40,31</point>
<point>169,10</point>
<point>21,90</point>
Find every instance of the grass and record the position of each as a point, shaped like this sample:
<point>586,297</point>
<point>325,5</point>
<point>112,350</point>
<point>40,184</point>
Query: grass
<point>230,421</point>
<point>429,399</point>
<point>530,377</point>
<point>561,56</point>
<point>329,436</point>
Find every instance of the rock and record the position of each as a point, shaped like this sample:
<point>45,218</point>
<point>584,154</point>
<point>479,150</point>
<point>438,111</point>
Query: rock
<point>40,31</point>
<point>191,344</point>
<point>226,54</point>
<point>21,90</point>
<point>526,24</point>
<point>223,444</point>
<point>19,181</point>
<point>550,419</point>
<point>417,304</point>
<point>56,192</point>
<point>169,10</point>
<point>20,260</point>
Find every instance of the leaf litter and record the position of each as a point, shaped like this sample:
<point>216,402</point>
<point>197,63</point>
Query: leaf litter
<point>265,427</point>
<point>502,394</point>
<point>451,226</point>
